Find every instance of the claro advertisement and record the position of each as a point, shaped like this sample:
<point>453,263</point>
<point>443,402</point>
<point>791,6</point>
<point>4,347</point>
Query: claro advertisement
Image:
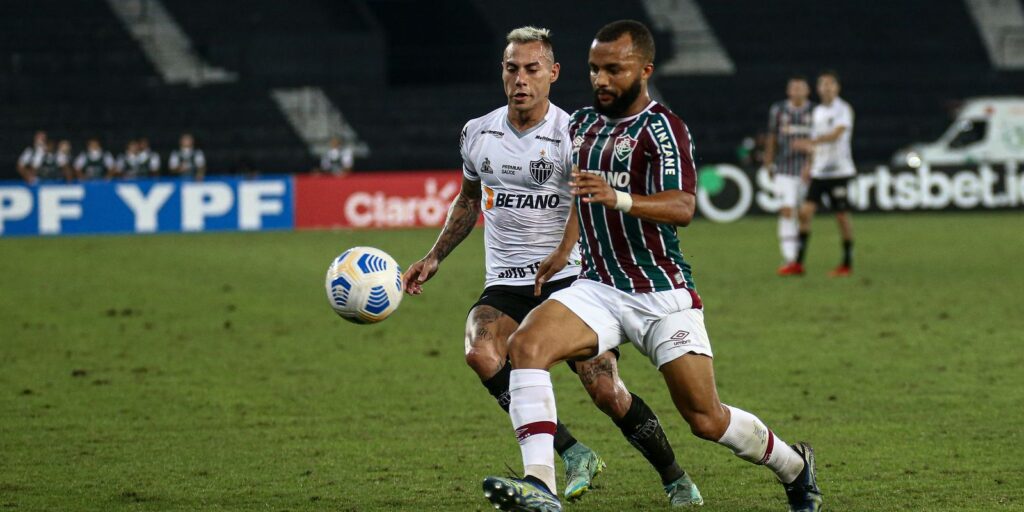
<point>377,200</point>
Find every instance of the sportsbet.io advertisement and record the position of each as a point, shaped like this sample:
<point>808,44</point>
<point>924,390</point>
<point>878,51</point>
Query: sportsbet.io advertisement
<point>725,193</point>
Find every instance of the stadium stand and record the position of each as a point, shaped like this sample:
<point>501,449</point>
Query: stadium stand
<point>80,74</point>
<point>407,84</point>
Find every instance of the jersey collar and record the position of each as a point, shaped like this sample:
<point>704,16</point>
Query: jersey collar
<point>520,134</point>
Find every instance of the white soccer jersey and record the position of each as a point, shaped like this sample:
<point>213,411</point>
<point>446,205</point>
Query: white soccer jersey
<point>32,157</point>
<point>524,178</point>
<point>833,159</point>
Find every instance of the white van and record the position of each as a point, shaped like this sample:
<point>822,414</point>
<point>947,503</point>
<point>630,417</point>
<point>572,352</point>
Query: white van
<point>987,130</point>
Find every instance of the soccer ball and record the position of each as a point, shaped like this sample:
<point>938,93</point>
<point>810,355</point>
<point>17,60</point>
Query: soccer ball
<point>364,285</point>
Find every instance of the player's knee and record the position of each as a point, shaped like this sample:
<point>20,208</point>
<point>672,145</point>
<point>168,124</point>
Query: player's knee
<point>710,426</point>
<point>786,212</point>
<point>484,360</point>
<point>611,399</point>
<point>526,350</point>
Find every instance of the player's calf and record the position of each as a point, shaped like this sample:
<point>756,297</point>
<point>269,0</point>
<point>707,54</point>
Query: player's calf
<point>600,378</point>
<point>487,331</point>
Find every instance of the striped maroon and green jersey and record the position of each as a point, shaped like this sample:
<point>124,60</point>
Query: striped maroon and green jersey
<point>644,154</point>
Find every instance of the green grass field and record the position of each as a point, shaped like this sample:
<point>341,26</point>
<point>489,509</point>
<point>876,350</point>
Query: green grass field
<point>207,372</point>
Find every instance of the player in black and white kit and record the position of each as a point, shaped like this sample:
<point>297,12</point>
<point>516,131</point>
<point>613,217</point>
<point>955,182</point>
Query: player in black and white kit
<point>338,159</point>
<point>94,163</point>
<point>516,168</point>
<point>187,161</point>
<point>31,158</point>
<point>831,168</point>
<point>789,120</point>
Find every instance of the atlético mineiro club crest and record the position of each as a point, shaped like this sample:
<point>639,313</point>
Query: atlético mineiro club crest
<point>541,170</point>
<point>624,145</point>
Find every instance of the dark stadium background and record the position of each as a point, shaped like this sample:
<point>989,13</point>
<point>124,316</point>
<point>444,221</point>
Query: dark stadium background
<point>407,74</point>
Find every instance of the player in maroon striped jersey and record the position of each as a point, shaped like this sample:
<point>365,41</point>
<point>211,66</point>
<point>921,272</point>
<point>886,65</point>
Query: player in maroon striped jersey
<point>634,185</point>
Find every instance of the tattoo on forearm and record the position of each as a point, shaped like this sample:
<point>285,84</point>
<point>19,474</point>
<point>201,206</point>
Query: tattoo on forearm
<point>460,222</point>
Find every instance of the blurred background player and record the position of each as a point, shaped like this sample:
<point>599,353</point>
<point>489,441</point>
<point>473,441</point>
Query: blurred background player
<point>64,159</point>
<point>50,167</point>
<point>830,171</point>
<point>338,159</point>
<point>516,161</point>
<point>789,120</point>
<point>130,164</point>
<point>635,283</point>
<point>152,158</point>
<point>31,157</point>
<point>188,160</point>
<point>94,163</point>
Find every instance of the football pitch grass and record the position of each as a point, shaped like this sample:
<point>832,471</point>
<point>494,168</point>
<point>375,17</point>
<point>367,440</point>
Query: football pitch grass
<point>207,372</point>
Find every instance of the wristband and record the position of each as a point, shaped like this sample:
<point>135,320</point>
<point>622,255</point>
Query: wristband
<point>623,201</point>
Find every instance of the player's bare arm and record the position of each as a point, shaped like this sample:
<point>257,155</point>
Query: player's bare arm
<point>462,217</point>
<point>559,258</point>
<point>769,152</point>
<point>829,137</point>
<point>807,145</point>
<point>674,207</point>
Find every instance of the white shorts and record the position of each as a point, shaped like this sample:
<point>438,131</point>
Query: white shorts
<point>788,190</point>
<point>663,325</point>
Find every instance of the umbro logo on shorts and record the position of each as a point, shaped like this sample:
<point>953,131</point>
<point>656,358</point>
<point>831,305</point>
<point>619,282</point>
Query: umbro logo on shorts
<point>679,338</point>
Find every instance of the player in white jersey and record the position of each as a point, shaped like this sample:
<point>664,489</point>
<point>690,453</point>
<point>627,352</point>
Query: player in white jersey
<point>516,168</point>
<point>831,169</point>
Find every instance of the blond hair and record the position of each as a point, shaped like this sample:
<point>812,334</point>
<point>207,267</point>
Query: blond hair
<point>529,34</point>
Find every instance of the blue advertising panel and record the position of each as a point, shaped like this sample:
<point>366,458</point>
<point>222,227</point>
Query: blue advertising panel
<point>147,206</point>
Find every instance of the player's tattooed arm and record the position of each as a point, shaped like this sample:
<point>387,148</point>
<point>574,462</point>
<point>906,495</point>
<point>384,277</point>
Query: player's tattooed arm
<point>462,217</point>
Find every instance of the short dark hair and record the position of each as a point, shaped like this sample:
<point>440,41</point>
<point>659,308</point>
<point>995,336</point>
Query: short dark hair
<point>830,72</point>
<point>643,40</point>
<point>798,76</point>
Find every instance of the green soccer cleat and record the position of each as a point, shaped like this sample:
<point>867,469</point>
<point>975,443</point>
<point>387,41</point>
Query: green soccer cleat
<point>684,493</point>
<point>581,466</point>
<point>520,495</point>
<point>803,493</point>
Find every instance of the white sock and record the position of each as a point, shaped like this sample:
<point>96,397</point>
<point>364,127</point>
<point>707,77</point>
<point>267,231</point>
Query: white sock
<point>534,417</point>
<point>753,442</point>
<point>789,238</point>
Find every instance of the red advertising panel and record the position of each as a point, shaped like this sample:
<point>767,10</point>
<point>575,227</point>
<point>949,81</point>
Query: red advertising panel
<point>375,200</point>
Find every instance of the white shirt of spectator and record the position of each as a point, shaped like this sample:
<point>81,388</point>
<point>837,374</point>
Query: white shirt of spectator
<point>131,165</point>
<point>526,199</point>
<point>337,160</point>
<point>180,156</point>
<point>63,159</point>
<point>32,157</point>
<point>833,159</point>
<point>91,156</point>
<point>152,157</point>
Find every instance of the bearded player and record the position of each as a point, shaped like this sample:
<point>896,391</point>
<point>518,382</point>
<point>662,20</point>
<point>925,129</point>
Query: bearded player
<point>634,187</point>
<point>516,168</point>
